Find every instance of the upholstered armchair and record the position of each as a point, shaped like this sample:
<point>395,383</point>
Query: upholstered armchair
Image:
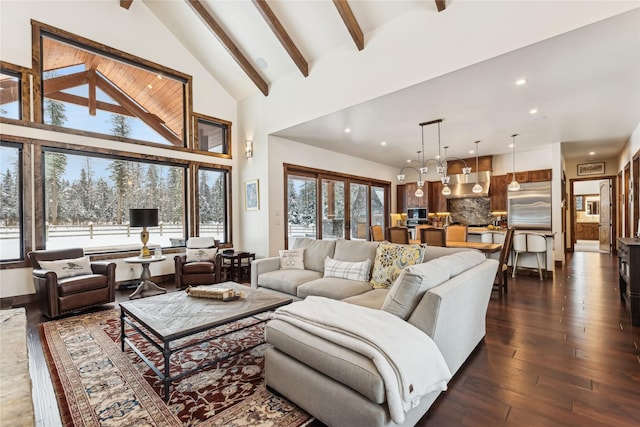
<point>198,265</point>
<point>66,281</point>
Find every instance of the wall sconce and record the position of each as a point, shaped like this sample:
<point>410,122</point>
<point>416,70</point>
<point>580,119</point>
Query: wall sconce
<point>248,149</point>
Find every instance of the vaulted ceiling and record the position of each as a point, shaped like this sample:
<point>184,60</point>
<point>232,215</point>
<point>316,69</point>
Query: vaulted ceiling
<point>583,83</point>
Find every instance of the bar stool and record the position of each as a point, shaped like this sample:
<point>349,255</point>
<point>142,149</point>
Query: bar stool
<point>531,243</point>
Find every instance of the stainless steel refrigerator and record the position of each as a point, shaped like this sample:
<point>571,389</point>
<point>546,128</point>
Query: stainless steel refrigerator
<point>530,207</point>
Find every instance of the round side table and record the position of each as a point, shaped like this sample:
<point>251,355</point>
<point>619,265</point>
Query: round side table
<point>146,286</point>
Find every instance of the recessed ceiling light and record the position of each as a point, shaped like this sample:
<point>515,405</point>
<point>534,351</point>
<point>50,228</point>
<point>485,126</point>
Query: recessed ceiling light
<point>262,63</point>
<point>470,151</point>
<point>347,130</point>
<point>383,143</point>
<point>520,82</point>
<point>533,111</point>
<point>159,76</point>
<point>150,87</point>
<point>591,153</point>
<point>510,145</point>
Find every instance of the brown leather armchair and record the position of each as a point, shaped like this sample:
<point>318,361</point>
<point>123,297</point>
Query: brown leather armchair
<point>58,296</point>
<point>195,273</point>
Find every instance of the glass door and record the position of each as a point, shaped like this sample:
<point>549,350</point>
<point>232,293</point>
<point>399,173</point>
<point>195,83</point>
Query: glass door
<point>358,211</point>
<point>301,207</point>
<point>333,209</point>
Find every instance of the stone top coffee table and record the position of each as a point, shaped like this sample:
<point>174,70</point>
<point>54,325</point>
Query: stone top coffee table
<point>176,315</point>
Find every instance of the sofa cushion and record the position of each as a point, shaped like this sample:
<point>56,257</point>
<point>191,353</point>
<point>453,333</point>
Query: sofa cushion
<point>355,250</point>
<point>411,285</point>
<point>391,259</point>
<point>372,299</point>
<point>201,242</point>
<point>333,288</point>
<point>352,369</point>
<point>293,259</point>
<point>347,270</point>
<point>73,285</point>
<point>68,267</point>
<point>414,281</point>
<point>315,252</point>
<point>287,281</point>
<point>201,254</point>
<point>198,268</point>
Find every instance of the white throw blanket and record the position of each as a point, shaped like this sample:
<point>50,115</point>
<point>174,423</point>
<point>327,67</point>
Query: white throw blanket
<point>407,359</point>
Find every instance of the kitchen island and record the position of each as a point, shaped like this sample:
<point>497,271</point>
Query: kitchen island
<point>526,260</point>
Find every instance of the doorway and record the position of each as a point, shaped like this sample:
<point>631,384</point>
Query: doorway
<point>592,214</point>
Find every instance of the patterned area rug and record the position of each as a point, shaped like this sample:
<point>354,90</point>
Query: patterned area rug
<point>98,385</point>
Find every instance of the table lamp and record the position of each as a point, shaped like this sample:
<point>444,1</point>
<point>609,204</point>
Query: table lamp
<point>143,218</point>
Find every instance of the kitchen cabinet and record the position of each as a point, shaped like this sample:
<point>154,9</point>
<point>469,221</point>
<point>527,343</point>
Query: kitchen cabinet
<point>406,198</point>
<point>498,193</point>
<point>587,231</point>
<point>437,202</point>
<point>414,201</point>
<point>540,175</point>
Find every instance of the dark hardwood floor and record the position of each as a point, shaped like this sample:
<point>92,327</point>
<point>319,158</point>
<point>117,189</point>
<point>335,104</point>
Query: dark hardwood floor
<point>561,352</point>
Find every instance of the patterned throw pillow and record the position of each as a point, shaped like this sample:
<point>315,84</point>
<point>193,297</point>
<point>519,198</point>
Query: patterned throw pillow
<point>391,259</point>
<point>347,270</point>
<point>293,259</point>
<point>201,254</point>
<point>68,267</point>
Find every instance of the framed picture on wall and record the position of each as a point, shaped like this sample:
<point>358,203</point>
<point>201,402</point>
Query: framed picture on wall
<point>591,168</point>
<point>579,203</point>
<point>252,195</point>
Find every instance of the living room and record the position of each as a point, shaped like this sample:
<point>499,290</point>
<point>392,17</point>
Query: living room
<point>336,81</point>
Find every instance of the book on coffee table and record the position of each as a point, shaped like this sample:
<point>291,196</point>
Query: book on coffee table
<point>224,294</point>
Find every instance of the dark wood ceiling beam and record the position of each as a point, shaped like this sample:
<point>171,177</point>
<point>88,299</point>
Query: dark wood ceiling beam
<point>84,102</point>
<point>350,21</point>
<point>441,5</point>
<point>126,3</point>
<point>282,35</point>
<point>228,44</point>
<point>151,120</point>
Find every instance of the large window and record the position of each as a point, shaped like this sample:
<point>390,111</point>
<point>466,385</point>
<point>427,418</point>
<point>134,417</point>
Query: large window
<point>11,228</point>
<point>88,88</point>
<point>213,135</point>
<point>87,200</point>
<point>345,209</point>
<point>10,94</point>
<point>212,203</point>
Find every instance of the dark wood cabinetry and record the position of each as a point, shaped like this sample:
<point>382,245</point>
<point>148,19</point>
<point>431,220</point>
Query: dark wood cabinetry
<point>498,193</point>
<point>437,202</point>
<point>414,201</point>
<point>406,197</point>
<point>587,231</point>
<point>540,175</point>
<point>629,270</point>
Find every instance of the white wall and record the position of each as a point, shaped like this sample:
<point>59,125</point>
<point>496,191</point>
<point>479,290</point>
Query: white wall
<point>135,31</point>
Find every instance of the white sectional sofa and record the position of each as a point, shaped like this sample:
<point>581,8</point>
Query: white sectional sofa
<point>446,297</point>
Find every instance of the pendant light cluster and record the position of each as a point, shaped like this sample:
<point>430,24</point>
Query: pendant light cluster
<point>514,185</point>
<point>477,188</point>
<point>441,164</point>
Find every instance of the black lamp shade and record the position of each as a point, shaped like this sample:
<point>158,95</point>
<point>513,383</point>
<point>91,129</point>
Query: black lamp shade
<point>143,217</point>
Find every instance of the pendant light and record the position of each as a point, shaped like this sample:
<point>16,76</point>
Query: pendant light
<point>514,185</point>
<point>477,188</point>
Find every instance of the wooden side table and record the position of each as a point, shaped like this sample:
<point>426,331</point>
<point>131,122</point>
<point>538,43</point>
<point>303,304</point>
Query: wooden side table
<point>146,287</point>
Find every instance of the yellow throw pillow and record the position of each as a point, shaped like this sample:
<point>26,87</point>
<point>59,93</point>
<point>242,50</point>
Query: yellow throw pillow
<point>391,259</point>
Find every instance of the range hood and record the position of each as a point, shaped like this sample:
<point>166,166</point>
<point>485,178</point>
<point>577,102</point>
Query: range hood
<point>462,185</point>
